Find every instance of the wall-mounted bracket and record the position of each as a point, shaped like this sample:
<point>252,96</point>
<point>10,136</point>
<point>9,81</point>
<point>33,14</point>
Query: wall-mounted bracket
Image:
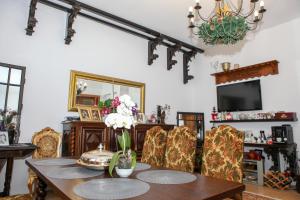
<point>152,45</point>
<point>170,54</point>
<point>31,18</point>
<point>187,57</point>
<point>71,18</point>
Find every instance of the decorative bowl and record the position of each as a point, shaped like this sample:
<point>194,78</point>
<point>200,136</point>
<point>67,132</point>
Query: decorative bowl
<point>124,173</point>
<point>96,159</point>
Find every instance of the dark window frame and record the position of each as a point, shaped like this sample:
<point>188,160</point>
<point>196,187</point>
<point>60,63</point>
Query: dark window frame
<point>8,84</point>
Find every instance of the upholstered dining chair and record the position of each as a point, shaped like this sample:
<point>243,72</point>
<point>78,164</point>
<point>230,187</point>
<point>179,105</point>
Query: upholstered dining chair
<point>181,149</point>
<point>48,144</point>
<point>223,154</point>
<point>154,147</point>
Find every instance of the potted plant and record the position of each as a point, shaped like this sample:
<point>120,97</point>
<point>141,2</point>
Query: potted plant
<point>123,161</point>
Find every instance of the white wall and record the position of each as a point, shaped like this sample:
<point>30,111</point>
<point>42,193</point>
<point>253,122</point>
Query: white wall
<point>95,49</point>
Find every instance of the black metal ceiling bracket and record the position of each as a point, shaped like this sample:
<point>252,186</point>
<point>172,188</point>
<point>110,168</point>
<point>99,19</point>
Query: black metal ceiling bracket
<point>76,8</point>
<point>187,57</point>
<point>152,45</point>
<point>71,18</point>
<point>170,54</point>
<point>31,23</point>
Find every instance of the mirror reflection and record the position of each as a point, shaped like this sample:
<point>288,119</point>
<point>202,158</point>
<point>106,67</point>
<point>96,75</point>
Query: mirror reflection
<point>88,89</point>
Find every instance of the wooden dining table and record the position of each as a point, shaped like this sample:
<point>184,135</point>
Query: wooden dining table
<point>202,188</point>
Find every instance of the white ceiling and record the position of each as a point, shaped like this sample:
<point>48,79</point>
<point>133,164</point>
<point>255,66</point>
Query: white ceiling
<point>169,16</point>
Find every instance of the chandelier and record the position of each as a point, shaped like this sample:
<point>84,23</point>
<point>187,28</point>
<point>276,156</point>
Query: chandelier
<point>227,23</point>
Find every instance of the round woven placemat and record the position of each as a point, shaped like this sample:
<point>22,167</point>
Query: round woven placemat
<point>55,161</point>
<point>72,173</point>
<point>166,177</point>
<point>141,166</point>
<point>111,188</point>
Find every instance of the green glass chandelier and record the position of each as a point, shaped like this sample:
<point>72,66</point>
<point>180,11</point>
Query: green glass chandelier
<point>226,24</point>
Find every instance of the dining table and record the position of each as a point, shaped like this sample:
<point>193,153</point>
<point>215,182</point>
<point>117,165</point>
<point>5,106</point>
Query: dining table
<point>203,187</point>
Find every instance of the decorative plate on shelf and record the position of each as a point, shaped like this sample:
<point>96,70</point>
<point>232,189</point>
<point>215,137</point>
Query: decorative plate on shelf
<point>97,159</point>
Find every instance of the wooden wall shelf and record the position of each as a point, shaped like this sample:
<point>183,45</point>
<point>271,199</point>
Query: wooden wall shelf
<point>252,71</point>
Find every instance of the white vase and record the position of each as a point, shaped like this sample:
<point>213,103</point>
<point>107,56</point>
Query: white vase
<point>124,173</point>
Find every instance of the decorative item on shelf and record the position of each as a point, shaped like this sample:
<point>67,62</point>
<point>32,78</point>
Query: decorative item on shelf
<point>97,159</point>
<point>286,116</point>
<point>236,66</point>
<point>214,114</point>
<point>226,24</point>
<point>226,66</point>
<point>84,113</point>
<point>162,112</point>
<point>123,161</point>
<point>8,123</point>
<point>158,113</point>
<point>4,138</point>
<point>253,155</point>
<point>228,116</point>
<point>141,118</point>
<point>151,119</point>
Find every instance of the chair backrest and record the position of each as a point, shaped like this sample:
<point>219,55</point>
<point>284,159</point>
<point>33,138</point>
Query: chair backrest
<point>48,144</point>
<point>223,154</point>
<point>181,149</point>
<point>154,147</point>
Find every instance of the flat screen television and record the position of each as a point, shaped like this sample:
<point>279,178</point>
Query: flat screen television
<point>243,96</point>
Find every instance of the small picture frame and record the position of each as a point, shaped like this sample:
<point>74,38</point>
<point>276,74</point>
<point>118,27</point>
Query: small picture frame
<point>141,118</point>
<point>4,138</point>
<point>96,115</point>
<point>85,113</point>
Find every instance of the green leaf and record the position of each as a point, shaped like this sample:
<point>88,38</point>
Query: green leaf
<point>101,104</point>
<point>133,159</point>
<point>107,103</point>
<point>113,162</point>
<point>127,139</point>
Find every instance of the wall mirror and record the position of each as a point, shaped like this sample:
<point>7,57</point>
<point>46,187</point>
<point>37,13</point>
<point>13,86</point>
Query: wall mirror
<point>88,89</point>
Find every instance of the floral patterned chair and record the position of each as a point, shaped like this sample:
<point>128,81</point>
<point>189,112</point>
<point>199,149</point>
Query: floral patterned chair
<point>48,144</point>
<point>223,154</point>
<point>154,147</point>
<point>181,149</point>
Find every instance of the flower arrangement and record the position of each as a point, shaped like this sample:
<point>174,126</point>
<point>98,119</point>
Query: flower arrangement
<point>110,105</point>
<point>122,116</point>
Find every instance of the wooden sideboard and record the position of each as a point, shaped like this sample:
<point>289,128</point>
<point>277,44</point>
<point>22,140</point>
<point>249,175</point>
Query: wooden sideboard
<point>80,137</point>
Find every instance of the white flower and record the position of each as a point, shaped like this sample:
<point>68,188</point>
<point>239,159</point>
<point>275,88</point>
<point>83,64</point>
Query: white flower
<point>123,118</point>
<point>117,120</point>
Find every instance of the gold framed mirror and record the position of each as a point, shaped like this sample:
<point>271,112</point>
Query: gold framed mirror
<point>88,89</point>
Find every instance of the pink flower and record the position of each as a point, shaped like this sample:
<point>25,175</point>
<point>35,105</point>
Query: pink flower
<point>115,102</point>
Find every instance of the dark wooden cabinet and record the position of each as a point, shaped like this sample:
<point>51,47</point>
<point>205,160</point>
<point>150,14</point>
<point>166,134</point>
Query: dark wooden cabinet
<point>80,137</point>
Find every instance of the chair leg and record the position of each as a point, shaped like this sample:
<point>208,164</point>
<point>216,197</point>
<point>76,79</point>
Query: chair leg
<point>238,196</point>
<point>41,190</point>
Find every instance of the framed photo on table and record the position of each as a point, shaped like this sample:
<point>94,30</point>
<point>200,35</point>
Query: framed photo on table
<point>95,114</point>
<point>4,138</point>
<point>85,113</point>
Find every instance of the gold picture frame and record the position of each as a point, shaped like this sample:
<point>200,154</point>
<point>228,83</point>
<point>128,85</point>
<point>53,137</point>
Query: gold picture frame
<point>77,76</point>
<point>96,114</point>
<point>84,113</point>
